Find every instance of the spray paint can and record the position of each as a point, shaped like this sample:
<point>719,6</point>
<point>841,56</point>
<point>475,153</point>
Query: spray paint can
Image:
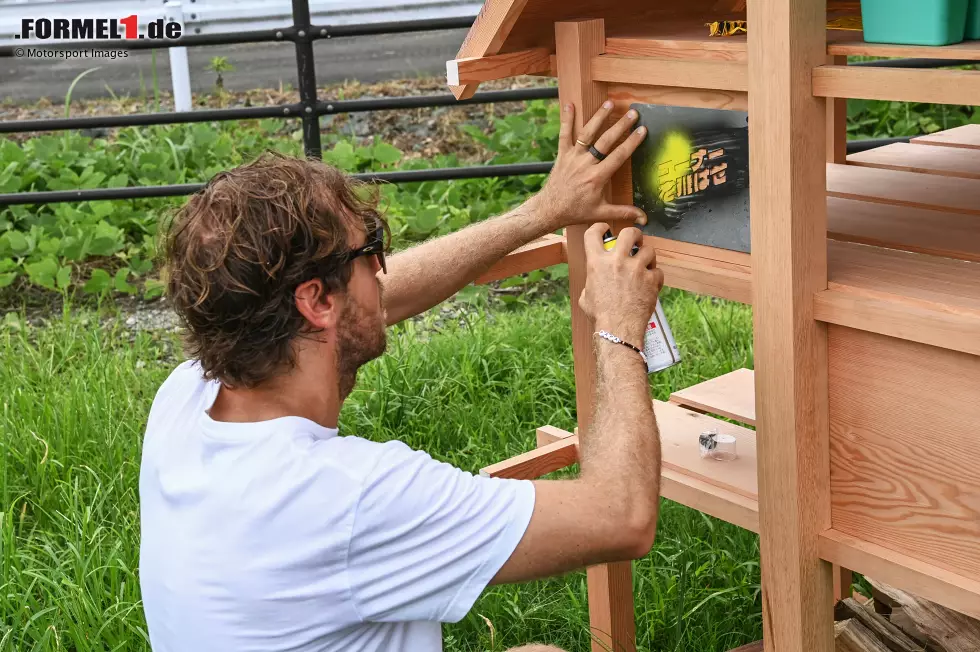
<point>658,340</point>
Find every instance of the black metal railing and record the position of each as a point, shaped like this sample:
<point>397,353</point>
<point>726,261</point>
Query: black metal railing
<point>309,108</point>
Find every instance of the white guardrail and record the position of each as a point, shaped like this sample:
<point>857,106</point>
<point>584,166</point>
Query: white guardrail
<point>221,16</point>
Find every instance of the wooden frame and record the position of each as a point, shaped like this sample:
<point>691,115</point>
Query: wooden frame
<point>865,282</point>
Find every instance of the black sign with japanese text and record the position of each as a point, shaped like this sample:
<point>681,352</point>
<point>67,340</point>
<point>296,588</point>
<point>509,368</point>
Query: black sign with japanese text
<point>691,175</point>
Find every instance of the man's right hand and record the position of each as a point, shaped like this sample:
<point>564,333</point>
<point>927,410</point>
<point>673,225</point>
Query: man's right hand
<point>621,290</point>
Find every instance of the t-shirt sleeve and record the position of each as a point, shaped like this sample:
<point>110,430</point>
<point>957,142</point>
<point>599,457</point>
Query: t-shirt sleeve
<point>427,537</point>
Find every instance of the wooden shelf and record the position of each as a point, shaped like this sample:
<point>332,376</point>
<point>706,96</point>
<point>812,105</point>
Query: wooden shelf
<point>851,44</point>
<point>907,295</point>
<point>731,396</point>
<point>725,490</point>
<point>912,157</point>
<point>967,137</point>
<point>901,188</point>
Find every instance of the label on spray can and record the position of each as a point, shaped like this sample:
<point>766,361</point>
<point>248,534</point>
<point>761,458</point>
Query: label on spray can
<point>658,340</point>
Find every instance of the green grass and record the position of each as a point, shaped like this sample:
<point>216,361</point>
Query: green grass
<point>74,407</point>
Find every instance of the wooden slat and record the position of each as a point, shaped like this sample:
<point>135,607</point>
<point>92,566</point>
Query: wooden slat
<point>731,396</point>
<point>929,581</point>
<point>967,136</point>
<point>789,236</point>
<point>952,235</point>
<point>945,161</point>
<point>534,464</point>
<point>904,295</point>
<point>667,72</point>
<point>903,421</point>
<point>474,70</point>
<point>625,94</point>
<point>898,84</point>
<point>680,40</point>
<point>488,33</point>
<point>549,434</point>
<point>544,252</point>
<point>705,275</point>
<point>837,122</point>
<point>841,43</point>
<point>904,188</point>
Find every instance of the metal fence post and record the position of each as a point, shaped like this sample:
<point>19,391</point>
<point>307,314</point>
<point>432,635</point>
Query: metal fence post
<point>180,74</point>
<point>306,71</point>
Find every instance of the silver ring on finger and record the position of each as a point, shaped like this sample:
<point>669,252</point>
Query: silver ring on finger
<point>596,153</point>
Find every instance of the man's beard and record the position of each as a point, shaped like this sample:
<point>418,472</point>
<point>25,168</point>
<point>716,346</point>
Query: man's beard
<point>360,339</point>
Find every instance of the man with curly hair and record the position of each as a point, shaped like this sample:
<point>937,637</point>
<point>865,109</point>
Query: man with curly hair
<point>263,528</point>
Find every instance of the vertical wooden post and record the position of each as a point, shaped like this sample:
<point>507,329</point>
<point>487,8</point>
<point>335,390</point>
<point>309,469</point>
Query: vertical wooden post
<point>837,122</point>
<point>789,264</point>
<point>837,153</point>
<point>610,585</point>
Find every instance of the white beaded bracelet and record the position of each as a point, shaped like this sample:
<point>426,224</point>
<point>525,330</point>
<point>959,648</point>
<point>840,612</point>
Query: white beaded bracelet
<point>617,340</point>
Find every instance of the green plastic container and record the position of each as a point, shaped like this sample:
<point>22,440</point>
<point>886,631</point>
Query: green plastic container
<point>914,22</point>
<point>973,21</point>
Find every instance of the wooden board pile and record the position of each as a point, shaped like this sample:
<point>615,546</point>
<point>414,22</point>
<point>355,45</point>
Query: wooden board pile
<point>896,621</point>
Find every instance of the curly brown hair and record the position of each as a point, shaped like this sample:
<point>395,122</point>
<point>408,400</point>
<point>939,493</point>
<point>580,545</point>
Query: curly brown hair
<point>237,250</point>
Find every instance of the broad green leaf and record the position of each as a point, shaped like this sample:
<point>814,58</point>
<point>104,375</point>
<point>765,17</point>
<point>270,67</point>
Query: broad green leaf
<point>99,282</point>
<point>17,242</point>
<point>387,154</point>
<point>120,284</point>
<point>6,279</point>
<point>42,272</point>
<point>64,277</point>
<point>153,288</point>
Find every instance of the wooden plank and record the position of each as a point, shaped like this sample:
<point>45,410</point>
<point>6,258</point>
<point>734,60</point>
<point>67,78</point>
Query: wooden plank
<point>902,422</point>
<point>488,33</point>
<point>725,490</point>
<point>920,230</point>
<point>789,236</point>
<point>473,70</point>
<point>930,581</point>
<point>534,464</point>
<point>897,84</point>
<point>543,252</point>
<point>712,500</point>
<point>681,452</point>
<point>904,295</point>
<point>731,396</point>
<point>904,188</point>
<point>893,638</point>
<point>967,136</point>
<point>549,434</point>
<point>625,94</point>
<point>610,586</point>
<point>687,40</point>
<point>945,629</point>
<point>945,161</point>
<point>705,275</point>
<point>668,72</point>
<point>852,636</point>
<point>842,44</point>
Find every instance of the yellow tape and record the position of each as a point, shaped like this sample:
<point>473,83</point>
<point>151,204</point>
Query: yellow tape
<point>733,27</point>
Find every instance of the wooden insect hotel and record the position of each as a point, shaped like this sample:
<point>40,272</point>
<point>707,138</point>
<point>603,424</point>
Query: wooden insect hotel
<point>864,279</point>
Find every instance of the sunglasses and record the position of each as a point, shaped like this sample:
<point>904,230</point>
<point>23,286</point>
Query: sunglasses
<point>375,246</point>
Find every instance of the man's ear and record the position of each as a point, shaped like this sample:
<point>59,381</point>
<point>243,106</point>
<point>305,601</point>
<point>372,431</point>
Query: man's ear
<point>321,309</point>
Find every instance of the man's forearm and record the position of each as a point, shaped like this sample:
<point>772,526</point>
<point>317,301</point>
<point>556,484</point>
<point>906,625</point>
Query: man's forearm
<point>621,450</point>
<point>429,273</point>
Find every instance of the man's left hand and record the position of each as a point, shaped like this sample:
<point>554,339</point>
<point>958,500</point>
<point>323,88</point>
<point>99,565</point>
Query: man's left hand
<point>574,192</point>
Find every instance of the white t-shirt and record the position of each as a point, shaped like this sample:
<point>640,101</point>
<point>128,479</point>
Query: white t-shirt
<point>283,535</point>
